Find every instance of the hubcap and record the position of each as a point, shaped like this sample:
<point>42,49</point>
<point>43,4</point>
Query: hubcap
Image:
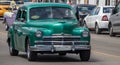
<point>96,28</point>
<point>111,31</point>
<point>28,52</point>
<point>10,48</point>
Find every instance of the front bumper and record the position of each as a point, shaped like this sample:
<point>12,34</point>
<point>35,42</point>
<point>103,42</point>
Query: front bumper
<point>61,46</point>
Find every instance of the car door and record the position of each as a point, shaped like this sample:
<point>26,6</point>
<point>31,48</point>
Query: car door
<point>117,23</point>
<point>16,26</point>
<point>92,18</point>
<point>116,19</point>
<point>95,17</point>
<point>18,31</point>
<point>88,18</point>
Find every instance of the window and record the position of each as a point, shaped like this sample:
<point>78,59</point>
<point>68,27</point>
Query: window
<point>107,2</point>
<point>107,9</point>
<point>118,8</point>
<point>5,3</point>
<point>97,11</point>
<point>51,12</point>
<point>18,14</point>
<point>24,15</point>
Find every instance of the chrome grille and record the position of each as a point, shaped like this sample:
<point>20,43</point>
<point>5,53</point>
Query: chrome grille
<point>61,38</point>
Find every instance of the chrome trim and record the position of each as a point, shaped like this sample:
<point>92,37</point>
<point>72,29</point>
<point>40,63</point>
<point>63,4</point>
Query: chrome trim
<point>54,48</point>
<point>62,41</point>
<point>61,34</point>
<point>61,37</point>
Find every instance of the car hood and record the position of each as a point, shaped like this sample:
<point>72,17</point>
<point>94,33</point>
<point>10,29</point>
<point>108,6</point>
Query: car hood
<point>56,27</point>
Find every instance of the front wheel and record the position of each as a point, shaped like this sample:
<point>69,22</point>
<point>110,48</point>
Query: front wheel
<point>31,56</point>
<point>85,55</point>
<point>12,51</point>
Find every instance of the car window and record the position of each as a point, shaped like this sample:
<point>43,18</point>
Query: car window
<point>18,14</point>
<point>118,7</point>
<point>107,9</point>
<point>4,3</point>
<point>97,11</point>
<point>93,12</point>
<point>24,15</point>
<point>87,9</point>
<point>51,12</point>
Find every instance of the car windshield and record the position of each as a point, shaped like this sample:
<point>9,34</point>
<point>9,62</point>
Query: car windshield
<point>107,9</point>
<point>4,3</point>
<point>85,9</point>
<point>51,12</point>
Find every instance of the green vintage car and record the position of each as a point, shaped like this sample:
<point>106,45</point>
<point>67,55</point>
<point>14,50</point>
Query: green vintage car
<point>48,28</point>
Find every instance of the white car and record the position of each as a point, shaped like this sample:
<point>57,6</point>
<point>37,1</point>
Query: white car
<point>98,19</point>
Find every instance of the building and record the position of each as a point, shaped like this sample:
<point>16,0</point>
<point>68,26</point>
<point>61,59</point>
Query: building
<point>98,2</point>
<point>94,2</point>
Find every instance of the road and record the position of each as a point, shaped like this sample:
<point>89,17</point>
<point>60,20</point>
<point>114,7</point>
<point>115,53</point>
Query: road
<point>105,51</point>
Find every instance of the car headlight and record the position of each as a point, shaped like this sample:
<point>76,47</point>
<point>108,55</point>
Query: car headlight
<point>85,34</point>
<point>38,34</point>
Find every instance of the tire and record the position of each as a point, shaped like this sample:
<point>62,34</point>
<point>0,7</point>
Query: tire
<point>97,30</point>
<point>111,32</point>
<point>31,56</point>
<point>85,55</point>
<point>62,54</point>
<point>12,51</point>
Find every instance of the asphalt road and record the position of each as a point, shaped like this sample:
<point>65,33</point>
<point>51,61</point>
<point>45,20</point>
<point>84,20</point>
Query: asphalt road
<point>105,51</point>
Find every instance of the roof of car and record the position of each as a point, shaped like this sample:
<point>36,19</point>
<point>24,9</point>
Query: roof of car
<point>31,5</point>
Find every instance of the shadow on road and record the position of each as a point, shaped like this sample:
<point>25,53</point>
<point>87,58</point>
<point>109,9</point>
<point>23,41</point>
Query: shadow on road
<point>56,58</point>
<point>103,33</point>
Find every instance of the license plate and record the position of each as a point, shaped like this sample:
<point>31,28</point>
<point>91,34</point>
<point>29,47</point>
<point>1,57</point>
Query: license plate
<point>62,47</point>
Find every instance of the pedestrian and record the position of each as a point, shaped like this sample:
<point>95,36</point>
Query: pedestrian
<point>13,4</point>
<point>69,2</point>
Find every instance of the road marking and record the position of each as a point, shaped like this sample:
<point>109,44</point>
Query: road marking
<point>110,55</point>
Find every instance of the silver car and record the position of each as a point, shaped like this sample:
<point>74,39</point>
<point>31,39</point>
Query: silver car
<point>114,21</point>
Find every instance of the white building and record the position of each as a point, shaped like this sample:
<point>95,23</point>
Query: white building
<point>97,2</point>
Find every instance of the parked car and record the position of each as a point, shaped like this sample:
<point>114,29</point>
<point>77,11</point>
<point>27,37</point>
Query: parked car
<point>98,19</point>
<point>82,10</point>
<point>39,28</point>
<point>114,21</point>
<point>4,7</point>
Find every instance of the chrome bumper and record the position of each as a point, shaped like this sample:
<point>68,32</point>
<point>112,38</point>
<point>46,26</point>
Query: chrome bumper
<point>63,46</point>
